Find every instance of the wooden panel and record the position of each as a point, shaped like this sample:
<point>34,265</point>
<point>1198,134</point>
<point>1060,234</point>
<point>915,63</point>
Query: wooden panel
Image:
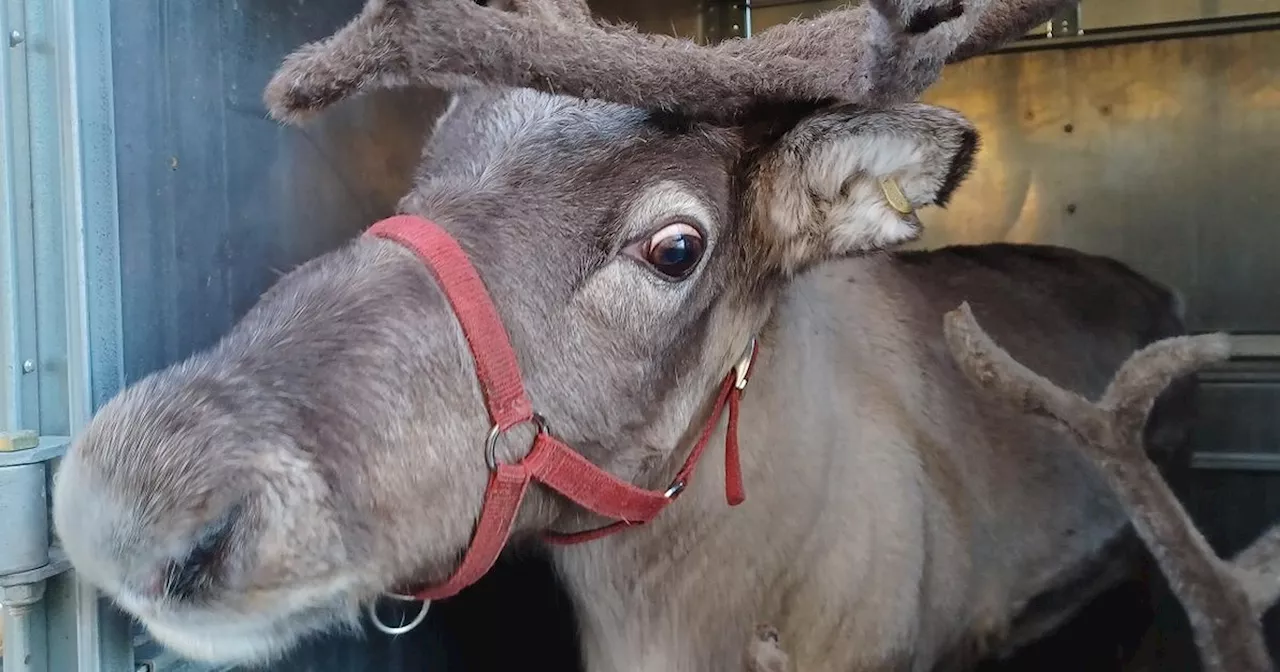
<point>1161,154</point>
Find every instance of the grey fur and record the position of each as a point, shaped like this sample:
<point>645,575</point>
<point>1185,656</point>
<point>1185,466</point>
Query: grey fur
<point>893,519</point>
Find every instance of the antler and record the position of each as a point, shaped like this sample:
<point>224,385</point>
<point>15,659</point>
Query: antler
<point>878,52</point>
<point>1224,600</point>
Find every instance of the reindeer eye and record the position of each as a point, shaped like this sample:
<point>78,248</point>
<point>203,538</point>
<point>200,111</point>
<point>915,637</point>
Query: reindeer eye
<point>675,251</point>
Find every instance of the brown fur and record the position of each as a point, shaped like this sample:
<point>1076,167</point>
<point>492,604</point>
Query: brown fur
<point>1223,600</point>
<point>875,54</point>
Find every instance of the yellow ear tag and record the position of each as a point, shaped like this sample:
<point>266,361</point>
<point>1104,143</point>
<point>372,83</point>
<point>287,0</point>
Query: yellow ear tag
<point>893,193</point>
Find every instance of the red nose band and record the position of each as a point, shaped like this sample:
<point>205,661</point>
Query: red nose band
<point>550,461</point>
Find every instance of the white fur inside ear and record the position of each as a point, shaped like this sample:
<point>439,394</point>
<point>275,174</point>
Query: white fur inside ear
<point>836,187</point>
<point>847,180</point>
<point>829,166</point>
<point>865,220</point>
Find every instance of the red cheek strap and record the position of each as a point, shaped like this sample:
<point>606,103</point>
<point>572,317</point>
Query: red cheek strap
<point>550,462</point>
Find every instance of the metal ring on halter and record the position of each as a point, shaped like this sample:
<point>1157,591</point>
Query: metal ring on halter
<point>401,629</point>
<point>491,443</point>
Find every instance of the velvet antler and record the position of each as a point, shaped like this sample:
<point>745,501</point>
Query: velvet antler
<point>1224,600</point>
<point>878,52</point>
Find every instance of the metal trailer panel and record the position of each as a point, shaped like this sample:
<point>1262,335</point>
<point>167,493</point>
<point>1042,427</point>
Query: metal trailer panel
<point>60,295</point>
<point>213,200</point>
<point>216,201</point>
<point>1164,155</point>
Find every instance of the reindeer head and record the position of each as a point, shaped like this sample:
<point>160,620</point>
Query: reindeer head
<point>632,228</point>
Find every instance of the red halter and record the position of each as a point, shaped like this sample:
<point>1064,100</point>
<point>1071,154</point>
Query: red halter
<point>550,461</point>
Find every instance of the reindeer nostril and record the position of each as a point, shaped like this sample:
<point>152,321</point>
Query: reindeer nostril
<point>192,574</point>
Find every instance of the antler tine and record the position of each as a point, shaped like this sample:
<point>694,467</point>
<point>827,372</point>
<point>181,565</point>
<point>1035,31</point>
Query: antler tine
<point>1258,569</point>
<point>1002,21</point>
<point>1223,600</point>
<point>878,52</point>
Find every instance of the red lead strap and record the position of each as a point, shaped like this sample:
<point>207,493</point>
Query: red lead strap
<point>550,461</point>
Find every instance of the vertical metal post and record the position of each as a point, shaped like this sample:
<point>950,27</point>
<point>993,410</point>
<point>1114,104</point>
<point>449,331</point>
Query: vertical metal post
<point>725,19</point>
<point>24,528</point>
<point>59,315</point>
<point>24,509</point>
<point>1066,23</point>
<point>18,365</point>
<point>26,559</point>
<point>23,642</point>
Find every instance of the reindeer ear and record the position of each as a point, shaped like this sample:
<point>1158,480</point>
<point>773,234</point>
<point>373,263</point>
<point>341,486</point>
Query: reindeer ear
<point>848,180</point>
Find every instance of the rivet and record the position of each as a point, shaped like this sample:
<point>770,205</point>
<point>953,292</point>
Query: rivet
<point>28,366</point>
<point>16,37</point>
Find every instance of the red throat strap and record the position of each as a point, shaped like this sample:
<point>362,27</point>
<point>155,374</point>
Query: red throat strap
<point>550,461</point>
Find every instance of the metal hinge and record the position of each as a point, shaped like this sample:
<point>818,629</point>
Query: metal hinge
<point>27,557</point>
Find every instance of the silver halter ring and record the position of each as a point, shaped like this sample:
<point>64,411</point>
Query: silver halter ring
<point>491,441</point>
<point>403,627</point>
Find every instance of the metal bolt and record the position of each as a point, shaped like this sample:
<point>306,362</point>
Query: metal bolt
<point>16,37</point>
<point>22,595</point>
<point>28,366</point>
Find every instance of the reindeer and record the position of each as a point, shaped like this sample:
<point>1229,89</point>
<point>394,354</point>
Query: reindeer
<point>624,256</point>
